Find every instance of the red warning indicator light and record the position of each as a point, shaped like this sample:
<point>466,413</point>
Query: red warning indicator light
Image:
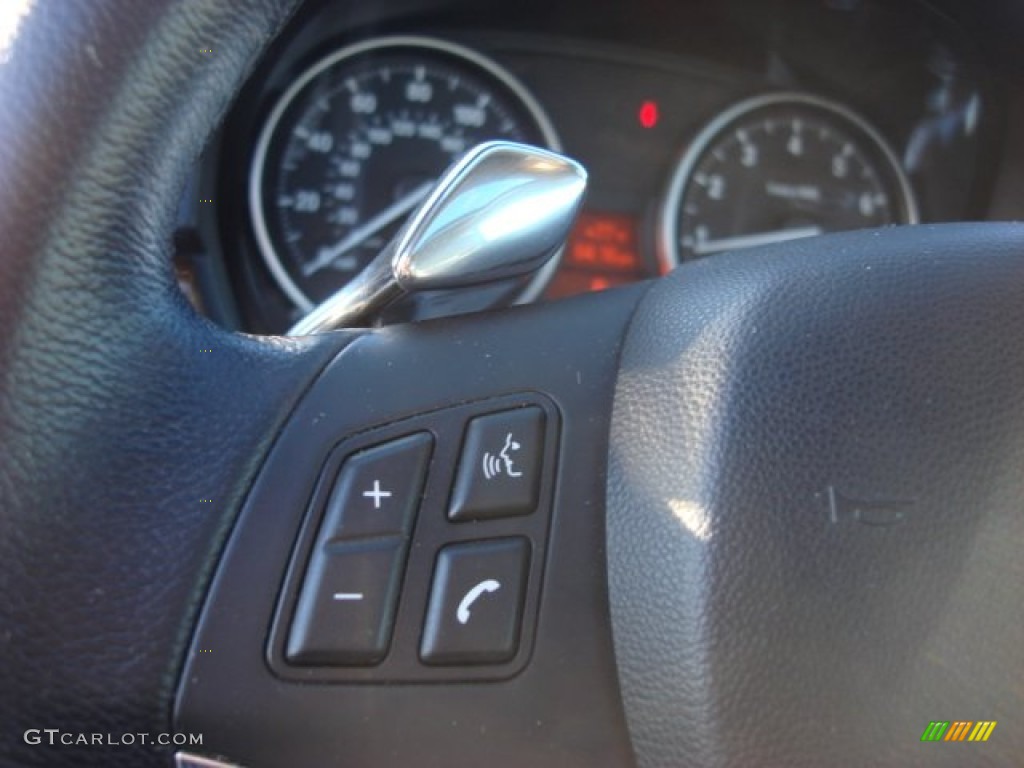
<point>648,114</point>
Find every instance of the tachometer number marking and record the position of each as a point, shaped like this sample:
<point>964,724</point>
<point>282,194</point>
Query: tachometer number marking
<point>779,167</point>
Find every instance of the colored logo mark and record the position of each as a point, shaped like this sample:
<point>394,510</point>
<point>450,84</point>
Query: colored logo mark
<point>958,730</point>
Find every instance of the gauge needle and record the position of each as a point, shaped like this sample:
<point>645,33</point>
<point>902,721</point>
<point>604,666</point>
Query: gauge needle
<point>393,212</point>
<point>706,247</point>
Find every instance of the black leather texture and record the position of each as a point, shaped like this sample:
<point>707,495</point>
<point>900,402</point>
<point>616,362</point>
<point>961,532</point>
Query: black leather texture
<point>816,503</point>
<point>130,428</point>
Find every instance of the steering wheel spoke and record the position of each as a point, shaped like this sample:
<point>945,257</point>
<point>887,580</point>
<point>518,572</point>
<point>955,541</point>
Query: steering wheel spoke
<point>431,514</point>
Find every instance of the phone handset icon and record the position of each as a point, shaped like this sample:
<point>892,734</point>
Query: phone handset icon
<point>488,585</point>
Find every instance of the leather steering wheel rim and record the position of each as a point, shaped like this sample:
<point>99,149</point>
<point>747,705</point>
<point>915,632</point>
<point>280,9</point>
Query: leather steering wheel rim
<point>130,428</point>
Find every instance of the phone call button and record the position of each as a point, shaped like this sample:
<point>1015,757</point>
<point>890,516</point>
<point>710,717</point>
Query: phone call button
<point>476,603</point>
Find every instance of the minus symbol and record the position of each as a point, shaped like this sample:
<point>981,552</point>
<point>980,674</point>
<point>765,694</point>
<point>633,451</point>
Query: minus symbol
<point>348,595</point>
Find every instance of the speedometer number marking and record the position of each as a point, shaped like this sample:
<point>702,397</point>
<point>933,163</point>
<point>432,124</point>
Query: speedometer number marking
<point>352,145</point>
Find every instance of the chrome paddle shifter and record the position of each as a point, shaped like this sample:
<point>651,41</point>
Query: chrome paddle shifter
<point>501,211</point>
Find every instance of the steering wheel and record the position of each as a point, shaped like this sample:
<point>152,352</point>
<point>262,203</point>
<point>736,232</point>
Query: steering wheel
<point>767,509</point>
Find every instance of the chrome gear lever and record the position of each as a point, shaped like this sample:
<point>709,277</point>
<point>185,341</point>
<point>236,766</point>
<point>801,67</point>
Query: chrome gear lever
<point>501,211</point>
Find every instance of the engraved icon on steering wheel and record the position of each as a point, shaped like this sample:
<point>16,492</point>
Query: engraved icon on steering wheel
<point>487,585</point>
<point>503,462</point>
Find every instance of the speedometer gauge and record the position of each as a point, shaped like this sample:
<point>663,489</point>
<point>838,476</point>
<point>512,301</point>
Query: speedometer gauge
<point>780,167</point>
<point>356,143</point>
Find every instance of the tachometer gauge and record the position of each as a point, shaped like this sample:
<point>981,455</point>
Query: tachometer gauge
<point>780,167</point>
<point>356,143</point>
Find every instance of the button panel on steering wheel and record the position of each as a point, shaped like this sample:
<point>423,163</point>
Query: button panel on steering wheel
<point>422,552</point>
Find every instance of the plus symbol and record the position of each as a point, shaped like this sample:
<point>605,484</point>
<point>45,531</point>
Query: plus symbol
<point>377,494</point>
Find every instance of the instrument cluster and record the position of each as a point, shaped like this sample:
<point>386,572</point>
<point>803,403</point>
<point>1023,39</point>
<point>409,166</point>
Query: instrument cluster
<point>343,132</point>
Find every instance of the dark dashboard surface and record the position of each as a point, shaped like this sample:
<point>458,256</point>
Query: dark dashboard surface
<point>630,90</point>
